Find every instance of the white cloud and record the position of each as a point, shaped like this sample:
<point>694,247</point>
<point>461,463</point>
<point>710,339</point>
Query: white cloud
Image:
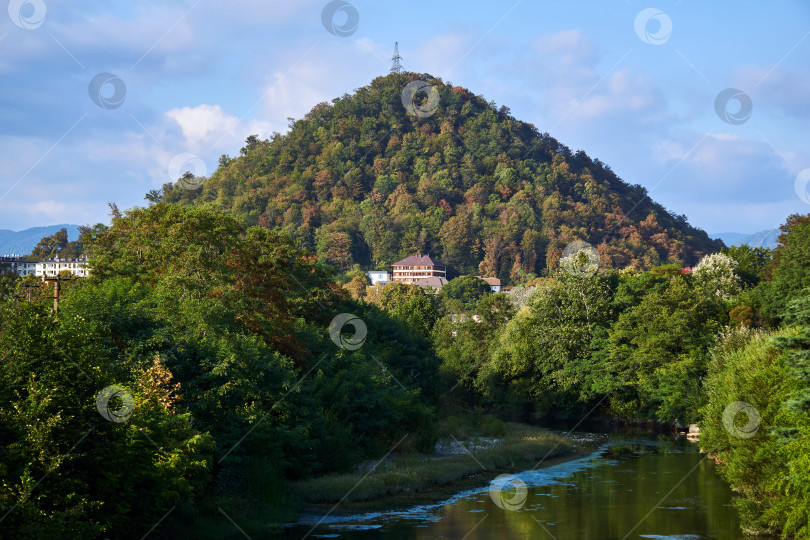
<point>723,168</point>
<point>577,91</point>
<point>239,14</point>
<point>52,210</point>
<point>310,76</point>
<point>442,55</point>
<point>567,52</point>
<point>622,93</point>
<point>203,122</point>
<point>744,217</point>
<point>776,89</point>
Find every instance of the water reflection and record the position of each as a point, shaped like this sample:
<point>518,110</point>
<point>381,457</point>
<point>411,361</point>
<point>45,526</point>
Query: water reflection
<point>638,488</point>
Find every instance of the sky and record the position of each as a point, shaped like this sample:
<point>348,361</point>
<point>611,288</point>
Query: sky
<point>704,104</point>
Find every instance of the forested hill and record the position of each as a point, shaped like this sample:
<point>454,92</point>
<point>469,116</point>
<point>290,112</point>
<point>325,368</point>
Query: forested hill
<point>362,180</point>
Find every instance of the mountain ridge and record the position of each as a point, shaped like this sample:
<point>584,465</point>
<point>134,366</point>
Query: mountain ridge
<point>24,241</point>
<point>766,238</point>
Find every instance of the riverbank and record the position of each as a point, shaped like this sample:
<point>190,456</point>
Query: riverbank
<point>466,457</point>
<point>412,478</point>
<point>640,486</point>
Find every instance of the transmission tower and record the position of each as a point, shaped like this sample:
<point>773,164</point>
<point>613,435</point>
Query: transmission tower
<point>396,67</point>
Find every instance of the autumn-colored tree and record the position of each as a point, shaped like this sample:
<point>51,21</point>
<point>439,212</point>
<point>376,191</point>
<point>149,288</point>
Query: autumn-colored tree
<point>458,242</point>
<point>336,249</point>
<point>357,287</point>
<point>493,250</point>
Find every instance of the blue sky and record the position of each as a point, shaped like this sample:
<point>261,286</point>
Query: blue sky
<point>200,76</point>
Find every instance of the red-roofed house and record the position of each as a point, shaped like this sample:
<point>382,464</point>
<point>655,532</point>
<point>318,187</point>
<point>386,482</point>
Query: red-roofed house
<point>416,267</point>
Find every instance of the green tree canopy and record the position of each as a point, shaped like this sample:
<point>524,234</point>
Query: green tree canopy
<point>790,269</point>
<point>468,290</point>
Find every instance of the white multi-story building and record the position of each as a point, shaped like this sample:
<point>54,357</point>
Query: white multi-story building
<point>19,265</point>
<point>53,267</point>
<point>48,267</point>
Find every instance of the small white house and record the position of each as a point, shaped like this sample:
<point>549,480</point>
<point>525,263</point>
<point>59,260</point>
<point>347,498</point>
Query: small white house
<point>494,283</point>
<point>379,276</point>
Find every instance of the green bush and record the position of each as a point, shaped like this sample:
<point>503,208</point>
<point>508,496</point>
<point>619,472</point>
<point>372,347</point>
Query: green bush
<point>492,427</point>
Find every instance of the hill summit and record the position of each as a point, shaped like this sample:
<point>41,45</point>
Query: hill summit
<point>402,167</point>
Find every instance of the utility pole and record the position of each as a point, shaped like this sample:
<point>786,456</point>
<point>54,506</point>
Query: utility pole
<point>396,67</point>
<point>56,282</point>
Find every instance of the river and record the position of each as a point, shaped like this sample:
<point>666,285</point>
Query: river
<point>631,488</point>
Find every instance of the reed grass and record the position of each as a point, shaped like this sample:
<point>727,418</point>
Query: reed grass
<point>410,473</point>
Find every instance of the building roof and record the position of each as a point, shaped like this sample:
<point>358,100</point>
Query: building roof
<point>491,281</point>
<point>418,260</point>
<point>58,259</point>
<point>433,281</point>
<point>6,258</point>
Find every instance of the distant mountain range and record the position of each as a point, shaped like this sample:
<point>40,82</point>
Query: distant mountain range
<point>23,242</point>
<point>760,239</point>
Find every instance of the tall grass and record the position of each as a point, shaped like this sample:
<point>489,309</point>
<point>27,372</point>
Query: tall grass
<point>411,473</point>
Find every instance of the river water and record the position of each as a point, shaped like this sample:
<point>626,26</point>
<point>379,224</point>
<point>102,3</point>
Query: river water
<point>631,488</point>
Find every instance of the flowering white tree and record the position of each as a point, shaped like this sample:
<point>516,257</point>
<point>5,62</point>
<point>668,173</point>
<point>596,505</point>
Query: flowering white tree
<point>715,275</point>
<point>580,259</point>
<point>519,295</point>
